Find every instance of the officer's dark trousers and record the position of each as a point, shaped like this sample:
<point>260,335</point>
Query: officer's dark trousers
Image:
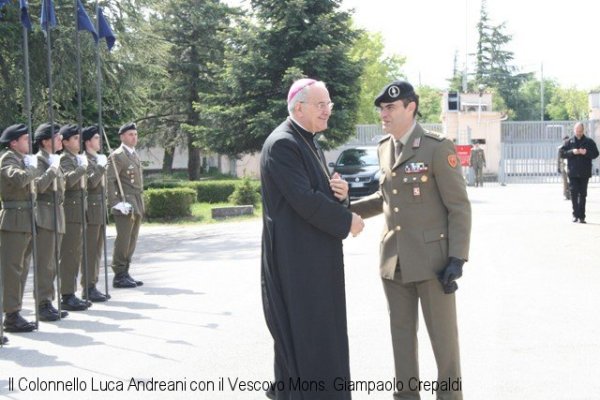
<point>128,228</point>
<point>94,246</point>
<point>70,257</point>
<point>578,188</point>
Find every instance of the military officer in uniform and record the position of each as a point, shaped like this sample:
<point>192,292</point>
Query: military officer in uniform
<point>125,187</point>
<point>49,180</point>
<point>425,240</point>
<point>17,172</point>
<point>579,151</point>
<point>96,215</point>
<point>477,162</point>
<point>74,167</point>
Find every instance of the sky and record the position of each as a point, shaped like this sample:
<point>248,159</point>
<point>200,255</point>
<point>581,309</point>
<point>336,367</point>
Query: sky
<point>564,36</point>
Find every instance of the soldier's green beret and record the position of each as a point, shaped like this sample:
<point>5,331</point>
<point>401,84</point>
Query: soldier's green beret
<point>45,131</point>
<point>88,132</point>
<point>127,127</point>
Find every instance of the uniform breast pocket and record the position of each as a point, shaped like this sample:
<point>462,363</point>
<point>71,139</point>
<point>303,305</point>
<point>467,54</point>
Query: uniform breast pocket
<point>412,189</point>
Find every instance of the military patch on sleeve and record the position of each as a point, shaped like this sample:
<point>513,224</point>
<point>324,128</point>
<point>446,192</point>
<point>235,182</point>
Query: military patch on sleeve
<point>453,160</point>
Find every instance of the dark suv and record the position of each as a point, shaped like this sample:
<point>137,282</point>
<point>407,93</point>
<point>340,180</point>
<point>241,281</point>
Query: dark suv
<point>360,167</point>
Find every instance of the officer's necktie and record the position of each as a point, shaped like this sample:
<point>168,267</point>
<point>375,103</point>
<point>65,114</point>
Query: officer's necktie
<point>397,150</point>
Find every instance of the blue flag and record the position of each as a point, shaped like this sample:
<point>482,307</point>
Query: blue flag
<point>104,30</point>
<point>48,18</point>
<point>83,21</point>
<point>25,14</point>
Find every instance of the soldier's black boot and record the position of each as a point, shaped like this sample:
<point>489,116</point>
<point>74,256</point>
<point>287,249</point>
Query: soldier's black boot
<point>72,303</point>
<point>94,295</point>
<point>121,280</point>
<point>137,283</point>
<point>13,322</point>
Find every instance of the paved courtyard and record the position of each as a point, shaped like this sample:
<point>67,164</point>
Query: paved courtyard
<point>528,313</point>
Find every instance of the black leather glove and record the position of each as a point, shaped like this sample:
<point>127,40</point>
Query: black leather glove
<point>451,272</point>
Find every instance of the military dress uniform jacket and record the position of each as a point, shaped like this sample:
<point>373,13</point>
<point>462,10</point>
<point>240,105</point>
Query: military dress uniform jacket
<point>477,158</point>
<point>95,173</point>
<point>579,166</point>
<point>424,199</point>
<point>129,169</point>
<point>73,173</point>
<point>45,210</point>
<point>15,193</point>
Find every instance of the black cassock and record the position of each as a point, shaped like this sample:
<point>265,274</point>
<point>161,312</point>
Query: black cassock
<point>302,270</point>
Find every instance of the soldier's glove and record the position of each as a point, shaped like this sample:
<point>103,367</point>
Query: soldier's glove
<point>450,274</point>
<point>82,160</point>
<point>54,161</point>
<point>30,161</point>
<point>102,160</point>
<point>124,207</point>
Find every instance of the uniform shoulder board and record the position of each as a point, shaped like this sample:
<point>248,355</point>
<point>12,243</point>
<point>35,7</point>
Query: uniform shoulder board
<point>383,139</point>
<point>435,136</point>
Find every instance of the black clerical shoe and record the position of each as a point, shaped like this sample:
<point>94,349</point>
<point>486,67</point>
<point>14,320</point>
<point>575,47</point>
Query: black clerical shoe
<point>95,296</point>
<point>72,303</point>
<point>575,219</point>
<point>121,280</point>
<point>13,322</point>
<point>137,283</point>
<point>582,221</point>
<point>47,312</point>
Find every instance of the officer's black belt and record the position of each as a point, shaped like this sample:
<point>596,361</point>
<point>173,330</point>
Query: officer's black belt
<point>73,194</point>
<point>12,205</point>
<point>94,196</point>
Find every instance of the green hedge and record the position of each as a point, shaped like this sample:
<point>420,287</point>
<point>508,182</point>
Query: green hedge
<point>207,191</point>
<point>169,203</point>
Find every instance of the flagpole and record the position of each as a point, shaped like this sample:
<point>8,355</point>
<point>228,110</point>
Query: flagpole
<point>100,130</point>
<point>84,177</point>
<point>32,185</point>
<point>46,5</point>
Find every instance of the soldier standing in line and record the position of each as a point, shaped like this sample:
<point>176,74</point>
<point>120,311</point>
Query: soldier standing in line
<point>95,213</point>
<point>17,171</point>
<point>477,162</point>
<point>74,167</point>
<point>425,241</point>
<point>49,179</point>
<point>125,187</point>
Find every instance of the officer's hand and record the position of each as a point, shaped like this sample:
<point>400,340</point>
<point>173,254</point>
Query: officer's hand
<point>82,160</point>
<point>30,160</point>
<point>583,152</point>
<point>357,225</point>
<point>54,161</point>
<point>450,288</point>
<point>451,272</point>
<point>124,207</point>
<point>339,186</point>
<point>102,160</point>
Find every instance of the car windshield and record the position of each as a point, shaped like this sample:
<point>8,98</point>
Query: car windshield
<point>358,157</point>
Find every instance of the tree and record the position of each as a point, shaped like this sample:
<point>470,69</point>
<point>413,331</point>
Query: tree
<point>194,31</point>
<point>430,105</point>
<point>378,71</point>
<point>282,41</point>
<point>568,104</point>
<point>494,68</point>
<point>530,99</point>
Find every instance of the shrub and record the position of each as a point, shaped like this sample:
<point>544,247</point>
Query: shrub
<point>245,194</point>
<point>169,203</point>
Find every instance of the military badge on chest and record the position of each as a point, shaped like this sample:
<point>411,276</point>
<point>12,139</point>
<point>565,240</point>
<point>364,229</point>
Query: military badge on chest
<point>131,173</point>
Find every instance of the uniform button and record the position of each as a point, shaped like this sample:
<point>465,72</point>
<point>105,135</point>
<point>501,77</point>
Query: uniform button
<point>441,235</point>
<point>398,228</point>
<point>396,209</point>
<point>405,179</point>
<point>395,191</point>
<point>393,174</point>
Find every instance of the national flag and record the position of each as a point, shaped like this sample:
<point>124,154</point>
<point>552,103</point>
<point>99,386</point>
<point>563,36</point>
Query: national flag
<point>48,18</point>
<point>84,23</point>
<point>25,14</point>
<point>104,30</point>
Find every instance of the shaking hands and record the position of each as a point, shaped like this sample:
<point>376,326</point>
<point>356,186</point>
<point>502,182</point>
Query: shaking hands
<point>357,225</point>
<point>339,186</point>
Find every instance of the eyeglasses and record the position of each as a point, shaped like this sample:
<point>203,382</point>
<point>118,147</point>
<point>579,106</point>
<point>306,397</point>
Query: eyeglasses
<point>322,106</point>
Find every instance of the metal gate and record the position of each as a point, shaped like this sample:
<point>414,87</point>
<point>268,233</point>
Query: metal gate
<point>529,150</point>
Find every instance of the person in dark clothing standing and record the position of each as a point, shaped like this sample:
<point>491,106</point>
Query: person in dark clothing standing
<point>305,219</point>
<point>579,151</point>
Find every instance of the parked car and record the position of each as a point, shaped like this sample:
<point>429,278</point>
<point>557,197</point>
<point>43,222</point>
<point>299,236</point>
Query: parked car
<point>359,166</point>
